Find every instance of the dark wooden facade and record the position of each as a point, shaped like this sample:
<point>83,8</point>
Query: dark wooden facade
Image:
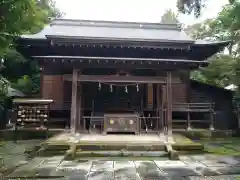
<point>223,103</point>
<point>91,69</point>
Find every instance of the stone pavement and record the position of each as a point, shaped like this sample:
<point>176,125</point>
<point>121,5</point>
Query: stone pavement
<point>189,167</point>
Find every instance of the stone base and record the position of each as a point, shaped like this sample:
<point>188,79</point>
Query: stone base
<point>72,145</point>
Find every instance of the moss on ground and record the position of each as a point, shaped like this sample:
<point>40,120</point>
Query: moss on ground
<point>222,146</point>
<point>183,143</point>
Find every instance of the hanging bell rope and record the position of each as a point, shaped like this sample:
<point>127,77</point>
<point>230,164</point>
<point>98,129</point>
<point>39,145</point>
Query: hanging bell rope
<point>99,86</point>
<point>111,88</point>
<point>119,85</point>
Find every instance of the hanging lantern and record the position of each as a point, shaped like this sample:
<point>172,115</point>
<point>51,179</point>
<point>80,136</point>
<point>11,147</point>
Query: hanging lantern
<point>137,88</point>
<point>111,88</point>
<point>126,89</point>
<point>99,86</point>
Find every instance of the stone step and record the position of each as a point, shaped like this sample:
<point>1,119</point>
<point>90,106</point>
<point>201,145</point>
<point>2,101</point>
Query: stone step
<point>121,154</point>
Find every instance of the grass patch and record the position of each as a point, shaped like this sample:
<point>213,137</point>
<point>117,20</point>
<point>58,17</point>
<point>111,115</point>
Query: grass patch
<point>222,151</point>
<point>222,146</point>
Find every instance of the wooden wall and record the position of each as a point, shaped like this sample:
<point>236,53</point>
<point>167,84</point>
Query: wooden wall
<point>203,93</point>
<point>52,88</point>
<point>180,90</point>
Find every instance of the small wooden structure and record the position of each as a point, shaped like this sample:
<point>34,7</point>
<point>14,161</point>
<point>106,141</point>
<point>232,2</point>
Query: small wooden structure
<point>31,113</point>
<point>137,71</point>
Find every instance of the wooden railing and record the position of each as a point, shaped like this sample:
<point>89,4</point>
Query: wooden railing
<point>195,108</point>
<point>146,124</point>
<point>159,121</point>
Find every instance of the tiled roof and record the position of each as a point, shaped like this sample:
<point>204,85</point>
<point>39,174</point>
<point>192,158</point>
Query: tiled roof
<point>78,29</point>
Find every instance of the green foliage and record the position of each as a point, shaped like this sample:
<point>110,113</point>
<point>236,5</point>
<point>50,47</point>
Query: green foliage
<point>23,16</point>
<point>224,68</point>
<point>189,6</point>
<point>19,17</point>
<point>28,85</point>
<point>194,6</point>
<point>4,84</point>
<point>169,17</point>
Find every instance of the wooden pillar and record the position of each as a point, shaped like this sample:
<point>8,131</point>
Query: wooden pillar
<point>212,116</point>
<point>150,95</point>
<point>159,110</point>
<point>169,103</point>
<point>74,111</point>
<point>78,108</point>
<point>188,118</point>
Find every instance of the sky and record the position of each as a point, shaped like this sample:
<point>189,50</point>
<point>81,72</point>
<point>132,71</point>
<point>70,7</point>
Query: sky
<point>131,10</point>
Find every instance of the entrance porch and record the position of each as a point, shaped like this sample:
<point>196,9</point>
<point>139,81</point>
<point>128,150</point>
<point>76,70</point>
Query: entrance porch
<point>99,145</point>
<point>114,103</point>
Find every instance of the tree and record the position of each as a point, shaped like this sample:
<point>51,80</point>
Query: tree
<point>169,17</point>
<point>224,68</point>
<point>20,17</point>
<point>189,6</point>
<point>23,16</point>
<point>195,6</point>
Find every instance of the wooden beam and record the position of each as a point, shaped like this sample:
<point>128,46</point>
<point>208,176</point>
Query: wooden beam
<point>120,79</point>
<point>93,58</point>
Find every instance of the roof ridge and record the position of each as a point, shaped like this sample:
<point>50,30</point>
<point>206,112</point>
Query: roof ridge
<point>119,24</point>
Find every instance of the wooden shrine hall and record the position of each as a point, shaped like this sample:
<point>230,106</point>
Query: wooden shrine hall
<point>119,77</point>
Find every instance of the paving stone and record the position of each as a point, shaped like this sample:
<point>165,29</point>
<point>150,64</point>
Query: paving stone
<point>125,170</point>
<point>76,177</point>
<point>177,178</point>
<point>235,161</point>
<point>169,163</point>
<point>224,177</point>
<point>29,169</point>
<point>68,164</point>
<point>227,170</point>
<point>102,165</point>
<point>18,147</point>
<point>50,178</point>
<point>48,167</point>
<point>215,163</point>
<point>181,171</point>
<point>145,153</point>
<point>185,158</point>
<point>72,169</point>
<point>200,168</point>
<point>199,157</point>
<point>237,158</point>
<point>149,170</point>
<point>10,161</point>
<point>100,175</point>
